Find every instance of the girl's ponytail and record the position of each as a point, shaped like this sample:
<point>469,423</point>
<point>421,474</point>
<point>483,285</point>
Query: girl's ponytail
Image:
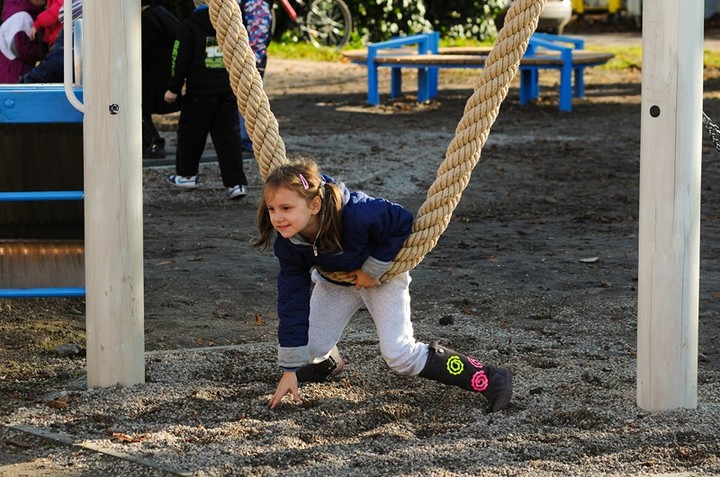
<point>330,238</point>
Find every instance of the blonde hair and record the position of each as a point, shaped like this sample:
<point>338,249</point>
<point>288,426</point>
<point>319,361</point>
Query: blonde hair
<point>303,177</point>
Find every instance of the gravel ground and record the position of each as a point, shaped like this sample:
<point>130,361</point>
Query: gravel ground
<point>204,412</point>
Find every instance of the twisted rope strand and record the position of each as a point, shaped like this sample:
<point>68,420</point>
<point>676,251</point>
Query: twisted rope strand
<point>246,83</point>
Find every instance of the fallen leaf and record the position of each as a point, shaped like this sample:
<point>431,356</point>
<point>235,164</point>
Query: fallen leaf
<point>258,319</point>
<point>122,437</point>
<point>588,260</point>
<point>205,342</point>
<point>59,403</point>
<point>55,404</point>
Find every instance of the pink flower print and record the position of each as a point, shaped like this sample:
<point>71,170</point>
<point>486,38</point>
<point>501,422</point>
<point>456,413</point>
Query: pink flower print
<point>479,381</point>
<point>475,362</point>
<point>455,365</point>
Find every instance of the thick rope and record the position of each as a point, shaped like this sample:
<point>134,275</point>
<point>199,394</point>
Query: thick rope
<point>462,154</point>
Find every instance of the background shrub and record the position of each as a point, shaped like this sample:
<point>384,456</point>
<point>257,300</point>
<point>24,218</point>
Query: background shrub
<point>377,20</point>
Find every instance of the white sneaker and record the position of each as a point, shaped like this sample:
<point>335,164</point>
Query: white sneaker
<point>237,192</point>
<point>184,182</point>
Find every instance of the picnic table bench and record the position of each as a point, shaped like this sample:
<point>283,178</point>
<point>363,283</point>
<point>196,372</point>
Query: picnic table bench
<point>422,53</point>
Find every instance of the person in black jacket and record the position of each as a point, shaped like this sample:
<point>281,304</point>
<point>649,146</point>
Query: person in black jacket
<point>159,29</point>
<point>209,105</point>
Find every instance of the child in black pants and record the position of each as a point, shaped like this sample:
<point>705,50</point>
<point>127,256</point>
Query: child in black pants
<point>208,107</point>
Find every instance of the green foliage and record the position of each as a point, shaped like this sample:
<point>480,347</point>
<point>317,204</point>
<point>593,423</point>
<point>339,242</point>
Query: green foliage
<point>457,19</point>
<point>625,57</point>
<point>288,47</point>
<point>631,58</point>
<point>377,20</point>
<point>469,42</point>
<point>711,59</point>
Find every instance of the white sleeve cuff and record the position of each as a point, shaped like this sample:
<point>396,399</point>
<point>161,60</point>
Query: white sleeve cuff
<point>290,358</point>
<point>375,268</point>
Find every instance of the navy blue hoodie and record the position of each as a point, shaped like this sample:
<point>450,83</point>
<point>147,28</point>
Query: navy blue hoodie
<point>373,232</point>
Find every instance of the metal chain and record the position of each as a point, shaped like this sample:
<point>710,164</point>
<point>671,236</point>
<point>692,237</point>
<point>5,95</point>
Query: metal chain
<point>713,129</point>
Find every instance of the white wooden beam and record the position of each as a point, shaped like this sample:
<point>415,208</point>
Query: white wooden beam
<point>669,236</point>
<point>113,193</point>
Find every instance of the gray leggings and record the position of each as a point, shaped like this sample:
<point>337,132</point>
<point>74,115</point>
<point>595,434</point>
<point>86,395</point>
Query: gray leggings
<point>332,306</point>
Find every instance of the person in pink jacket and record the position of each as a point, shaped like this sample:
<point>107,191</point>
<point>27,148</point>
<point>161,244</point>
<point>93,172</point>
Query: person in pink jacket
<point>18,53</point>
<point>49,22</point>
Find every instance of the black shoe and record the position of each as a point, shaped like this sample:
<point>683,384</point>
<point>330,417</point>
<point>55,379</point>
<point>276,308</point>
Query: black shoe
<point>322,371</point>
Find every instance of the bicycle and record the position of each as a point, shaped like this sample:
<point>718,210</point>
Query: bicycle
<point>322,22</point>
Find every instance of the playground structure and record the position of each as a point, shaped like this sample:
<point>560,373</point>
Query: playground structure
<point>666,351</point>
<point>544,52</point>
<point>111,186</point>
<point>41,208</point>
<point>41,194</point>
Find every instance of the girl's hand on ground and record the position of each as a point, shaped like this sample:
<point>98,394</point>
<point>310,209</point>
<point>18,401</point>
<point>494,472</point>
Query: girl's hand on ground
<point>363,280</point>
<point>288,384</point>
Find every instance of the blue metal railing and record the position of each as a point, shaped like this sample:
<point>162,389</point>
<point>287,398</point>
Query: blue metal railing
<point>38,104</point>
<point>41,292</point>
<point>42,195</point>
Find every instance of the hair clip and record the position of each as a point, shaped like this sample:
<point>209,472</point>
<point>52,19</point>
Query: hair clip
<point>304,181</point>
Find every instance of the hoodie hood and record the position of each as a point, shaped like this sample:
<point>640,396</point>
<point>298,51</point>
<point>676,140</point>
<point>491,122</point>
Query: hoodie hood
<point>11,7</point>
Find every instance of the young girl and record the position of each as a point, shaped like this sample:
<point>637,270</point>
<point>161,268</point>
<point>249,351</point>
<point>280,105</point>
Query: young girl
<point>323,227</point>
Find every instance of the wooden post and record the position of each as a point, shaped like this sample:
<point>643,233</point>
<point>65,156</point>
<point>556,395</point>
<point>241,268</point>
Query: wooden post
<point>113,193</point>
<point>669,237</point>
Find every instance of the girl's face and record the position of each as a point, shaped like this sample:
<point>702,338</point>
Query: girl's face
<point>291,214</point>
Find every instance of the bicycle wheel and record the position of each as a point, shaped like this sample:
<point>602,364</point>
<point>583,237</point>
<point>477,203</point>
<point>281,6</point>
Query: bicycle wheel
<point>328,23</point>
